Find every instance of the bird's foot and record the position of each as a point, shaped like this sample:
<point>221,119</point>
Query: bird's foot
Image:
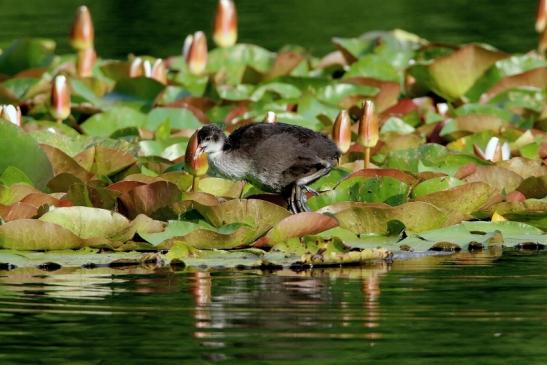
<point>297,200</point>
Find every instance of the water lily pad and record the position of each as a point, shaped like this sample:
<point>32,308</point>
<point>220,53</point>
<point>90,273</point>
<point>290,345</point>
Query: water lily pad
<point>106,123</point>
<point>87,222</point>
<point>434,185</point>
<point>259,214</point>
<point>152,199</point>
<point>299,225</point>
<point>453,75</point>
<point>12,175</point>
<point>19,150</point>
<point>497,177</point>
<point>379,189</point>
<point>534,187</point>
<point>375,218</point>
<point>137,92</point>
<point>178,118</point>
<point>460,201</point>
<point>63,163</point>
<point>32,234</point>
<point>23,54</point>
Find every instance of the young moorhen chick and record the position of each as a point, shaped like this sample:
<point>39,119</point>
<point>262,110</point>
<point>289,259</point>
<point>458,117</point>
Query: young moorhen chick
<point>276,157</point>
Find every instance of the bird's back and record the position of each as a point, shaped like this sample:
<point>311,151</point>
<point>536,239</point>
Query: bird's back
<point>255,137</point>
<point>281,153</point>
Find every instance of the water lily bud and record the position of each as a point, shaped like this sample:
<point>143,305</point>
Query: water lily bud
<point>159,72</point>
<point>136,68</point>
<point>368,126</point>
<point>147,68</point>
<point>11,114</point>
<point>60,98</point>
<point>270,117</point>
<point>196,53</point>
<point>225,32</point>
<point>496,151</point>
<point>515,196</point>
<point>479,152</point>
<point>85,62</point>
<point>196,161</point>
<point>341,131</point>
<point>442,108</point>
<point>82,34</point>
<point>541,19</point>
<point>542,46</point>
<point>187,44</point>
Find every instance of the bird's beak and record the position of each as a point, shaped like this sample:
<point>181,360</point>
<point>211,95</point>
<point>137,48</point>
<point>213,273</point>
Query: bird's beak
<point>200,150</point>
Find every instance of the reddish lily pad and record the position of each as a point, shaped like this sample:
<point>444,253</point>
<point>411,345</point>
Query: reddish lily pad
<point>299,225</point>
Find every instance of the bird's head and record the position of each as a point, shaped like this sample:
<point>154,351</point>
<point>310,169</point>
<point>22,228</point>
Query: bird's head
<point>211,139</point>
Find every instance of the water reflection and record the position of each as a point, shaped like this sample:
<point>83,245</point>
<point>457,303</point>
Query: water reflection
<point>426,306</point>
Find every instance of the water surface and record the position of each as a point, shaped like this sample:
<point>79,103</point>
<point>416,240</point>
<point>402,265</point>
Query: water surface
<point>467,309</point>
<point>159,27</point>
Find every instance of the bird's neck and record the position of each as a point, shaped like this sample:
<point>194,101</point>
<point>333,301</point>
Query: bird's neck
<point>229,164</point>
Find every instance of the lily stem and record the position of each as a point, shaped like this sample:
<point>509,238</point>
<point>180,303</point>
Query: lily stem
<point>367,158</point>
<point>195,182</point>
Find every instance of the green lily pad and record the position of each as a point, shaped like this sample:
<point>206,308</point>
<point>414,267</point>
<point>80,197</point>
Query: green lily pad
<point>12,175</point>
<point>23,54</point>
<point>372,218</point>
<point>19,150</point>
<point>434,185</point>
<point>106,123</point>
<point>379,189</point>
<point>453,75</point>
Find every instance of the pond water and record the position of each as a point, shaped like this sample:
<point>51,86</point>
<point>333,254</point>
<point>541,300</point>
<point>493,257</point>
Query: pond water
<point>486,308</point>
<point>159,27</point>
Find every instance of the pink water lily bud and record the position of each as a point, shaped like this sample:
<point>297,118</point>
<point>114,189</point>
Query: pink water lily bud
<point>82,34</point>
<point>159,72</point>
<point>368,126</point>
<point>341,131</point>
<point>195,52</point>
<point>225,30</point>
<point>60,98</point>
<point>11,113</point>
<point>196,162</point>
<point>270,117</point>
<point>541,19</point>
<point>542,45</point>
<point>85,61</point>
<point>136,68</point>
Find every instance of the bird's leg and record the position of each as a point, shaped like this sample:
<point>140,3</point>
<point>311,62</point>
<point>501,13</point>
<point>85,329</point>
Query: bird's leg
<point>300,199</point>
<point>291,200</point>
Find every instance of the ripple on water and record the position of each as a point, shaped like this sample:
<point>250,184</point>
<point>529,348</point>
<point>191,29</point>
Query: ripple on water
<point>486,308</point>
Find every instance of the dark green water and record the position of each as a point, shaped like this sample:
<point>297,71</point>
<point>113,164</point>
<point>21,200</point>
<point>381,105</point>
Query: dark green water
<point>159,27</point>
<point>485,309</point>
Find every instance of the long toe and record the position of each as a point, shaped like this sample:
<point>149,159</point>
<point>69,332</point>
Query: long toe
<point>301,203</point>
<point>292,201</point>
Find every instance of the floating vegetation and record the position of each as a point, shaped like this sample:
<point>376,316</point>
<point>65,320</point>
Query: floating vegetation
<point>443,147</point>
